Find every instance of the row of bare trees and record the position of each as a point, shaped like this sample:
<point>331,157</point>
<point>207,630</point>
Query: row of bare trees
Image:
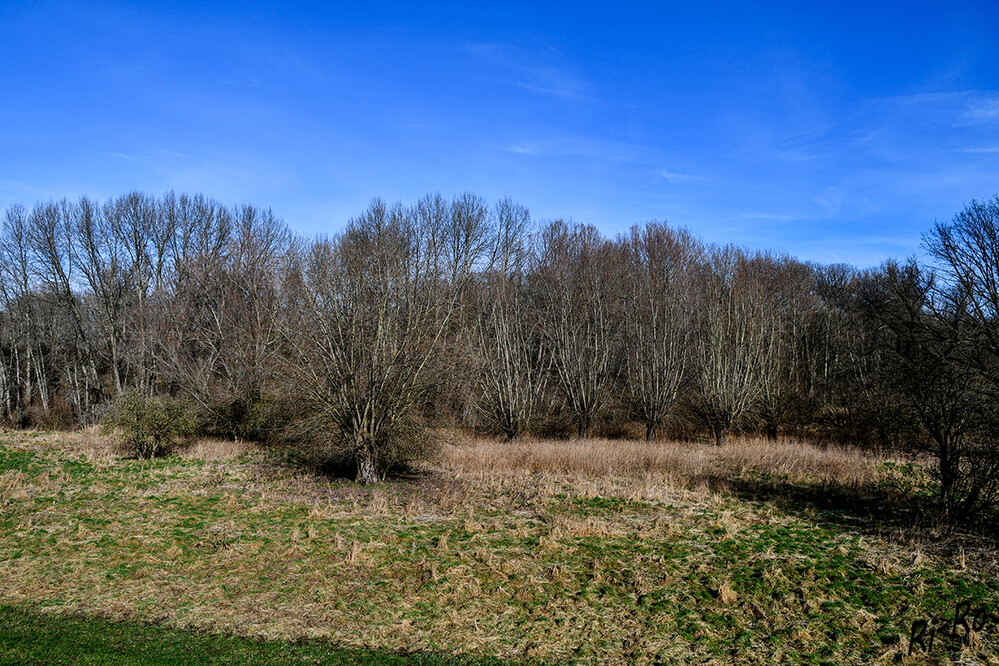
<point>649,325</point>
<point>447,307</point>
<point>452,312</point>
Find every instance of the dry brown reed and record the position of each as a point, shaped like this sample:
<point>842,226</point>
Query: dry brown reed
<point>684,464</point>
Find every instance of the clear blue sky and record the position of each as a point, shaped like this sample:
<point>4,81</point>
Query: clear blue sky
<point>833,131</point>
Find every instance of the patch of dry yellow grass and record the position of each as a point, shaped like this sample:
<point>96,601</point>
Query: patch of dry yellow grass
<point>88,443</point>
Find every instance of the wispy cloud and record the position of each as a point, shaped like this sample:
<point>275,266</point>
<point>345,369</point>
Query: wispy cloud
<point>130,158</point>
<point>986,150</point>
<point>680,177</point>
<point>522,149</point>
<point>512,67</point>
<point>23,187</point>
<point>984,109</point>
<point>588,147</point>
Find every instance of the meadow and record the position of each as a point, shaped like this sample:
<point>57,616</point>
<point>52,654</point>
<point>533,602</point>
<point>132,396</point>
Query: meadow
<point>579,551</point>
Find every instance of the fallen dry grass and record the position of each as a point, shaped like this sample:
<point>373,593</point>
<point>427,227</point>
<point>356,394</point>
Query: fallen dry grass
<point>594,552</point>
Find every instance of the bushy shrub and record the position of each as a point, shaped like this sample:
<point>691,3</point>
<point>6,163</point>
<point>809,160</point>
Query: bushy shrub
<point>254,418</point>
<point>149,426</point>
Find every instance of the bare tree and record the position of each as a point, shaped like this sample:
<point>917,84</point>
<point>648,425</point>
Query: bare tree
<point>217,326</point>
<point>576,275</point>
<point>25,364</point>
<point>98,258</point>
<point>188,328</point>
<point>731,348</point>
<point>967,251</point>
<point>658,319</point>
<point>244,334</point>
<point>50,241</point>
<point>377,301</point>
<point>786,290</point>
<point>133,221</point>
<point>510,368</point>
<point>921,334</point>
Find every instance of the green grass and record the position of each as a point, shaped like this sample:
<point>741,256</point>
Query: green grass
<point>519,567</point>
<point>36,638</point>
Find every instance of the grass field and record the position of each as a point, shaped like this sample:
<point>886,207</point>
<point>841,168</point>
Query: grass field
<point>593,551</point>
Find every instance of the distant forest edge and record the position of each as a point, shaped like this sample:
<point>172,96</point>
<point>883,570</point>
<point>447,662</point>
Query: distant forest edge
<point>172,316</point>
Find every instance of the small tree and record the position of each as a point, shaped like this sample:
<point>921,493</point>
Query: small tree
<point>150,427</point>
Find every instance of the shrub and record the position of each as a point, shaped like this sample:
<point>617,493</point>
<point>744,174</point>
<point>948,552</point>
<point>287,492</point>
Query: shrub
<point>149,426</point>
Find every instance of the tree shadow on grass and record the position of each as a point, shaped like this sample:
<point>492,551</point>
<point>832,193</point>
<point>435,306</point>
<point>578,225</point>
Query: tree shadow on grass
<point>31,637</point>
<point>869,509</point>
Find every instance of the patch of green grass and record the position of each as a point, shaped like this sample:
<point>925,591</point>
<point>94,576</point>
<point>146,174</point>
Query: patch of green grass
<point>16,459</point>
<point>38,638</point>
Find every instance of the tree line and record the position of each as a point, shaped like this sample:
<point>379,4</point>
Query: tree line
<point>452,312</point>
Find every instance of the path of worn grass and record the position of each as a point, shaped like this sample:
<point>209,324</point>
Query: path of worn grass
<point>514,566</point>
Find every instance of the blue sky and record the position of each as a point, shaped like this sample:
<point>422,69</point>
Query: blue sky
<point>833,131</point>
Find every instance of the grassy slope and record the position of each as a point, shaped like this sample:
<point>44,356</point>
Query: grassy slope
<point>516,566</point>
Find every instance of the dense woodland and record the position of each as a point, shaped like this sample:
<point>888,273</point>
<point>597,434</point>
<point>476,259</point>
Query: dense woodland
<point>450,313</point>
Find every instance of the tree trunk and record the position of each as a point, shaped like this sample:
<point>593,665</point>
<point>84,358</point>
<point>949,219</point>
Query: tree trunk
<point>948,469</point>
<point>6,411</point>
<point>651,430</point>
<point>367,464</point>
<point>772,431</point>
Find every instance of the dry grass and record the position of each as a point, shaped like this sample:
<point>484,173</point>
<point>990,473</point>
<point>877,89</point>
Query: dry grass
<point>91,444</point>
<point>681,464</point>
<point>216,449</point>
<point>88,443</point>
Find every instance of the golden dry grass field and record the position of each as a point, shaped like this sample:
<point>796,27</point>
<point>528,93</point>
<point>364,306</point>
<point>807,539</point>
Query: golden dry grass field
<point>590,551</point>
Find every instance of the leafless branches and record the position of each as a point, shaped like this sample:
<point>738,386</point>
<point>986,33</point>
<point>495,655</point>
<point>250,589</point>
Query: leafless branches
<point>377,302</point>
<point>658,319</point>
<point>576,276</point>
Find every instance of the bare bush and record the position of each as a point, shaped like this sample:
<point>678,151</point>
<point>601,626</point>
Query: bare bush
<point>149,427</point>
